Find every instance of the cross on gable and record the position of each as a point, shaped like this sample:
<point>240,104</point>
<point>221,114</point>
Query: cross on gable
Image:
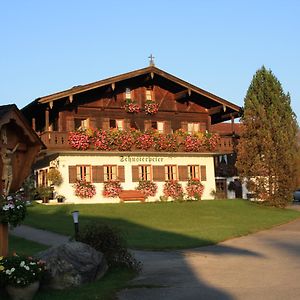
<point>151,60</point>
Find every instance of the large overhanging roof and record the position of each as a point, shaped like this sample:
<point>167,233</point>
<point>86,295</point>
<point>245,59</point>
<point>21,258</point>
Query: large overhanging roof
<point>216,105</point>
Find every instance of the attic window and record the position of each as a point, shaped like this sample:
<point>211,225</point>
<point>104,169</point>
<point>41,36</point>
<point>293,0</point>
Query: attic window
<point>148,94</point>
<point>127,93</point>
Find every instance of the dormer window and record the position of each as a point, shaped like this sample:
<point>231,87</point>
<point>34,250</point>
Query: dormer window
<point>128,93</point>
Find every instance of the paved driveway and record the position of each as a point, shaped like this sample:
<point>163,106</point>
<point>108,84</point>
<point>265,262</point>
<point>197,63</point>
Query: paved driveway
<point>265,265</point>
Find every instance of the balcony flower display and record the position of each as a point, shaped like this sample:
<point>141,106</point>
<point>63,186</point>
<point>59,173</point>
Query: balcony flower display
<point>128,140</point>
<point>194,189</point>
<point>12,209</point>
<point>131,106</point>
<point>166,142</point>
<point>151,107</point>
<point>144,141</point>
<point>112,189</point>
<point>147,187</point>
<point>79,140</point>
<point>173,189</point>
<point>101,140</point>
<point>84,189</point>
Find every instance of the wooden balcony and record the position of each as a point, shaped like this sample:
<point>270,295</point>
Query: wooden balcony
<point>58,141</point>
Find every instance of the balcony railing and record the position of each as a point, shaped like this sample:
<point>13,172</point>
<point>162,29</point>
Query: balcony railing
<point>58,141</point>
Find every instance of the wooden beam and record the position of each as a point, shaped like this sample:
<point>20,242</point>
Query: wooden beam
<point>33,123</point>
<point>47,119</point>
<point>181,95</point>
<point>71,98</point>
<point>215,110</point>
<point>113,86</point>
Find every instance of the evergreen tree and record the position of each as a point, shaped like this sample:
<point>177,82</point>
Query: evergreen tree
<point>268,150</point>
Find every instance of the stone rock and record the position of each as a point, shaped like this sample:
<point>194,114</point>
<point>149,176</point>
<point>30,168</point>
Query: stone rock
<point>72,264</point>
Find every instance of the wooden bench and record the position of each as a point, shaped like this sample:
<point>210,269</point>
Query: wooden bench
<point>131,195</point>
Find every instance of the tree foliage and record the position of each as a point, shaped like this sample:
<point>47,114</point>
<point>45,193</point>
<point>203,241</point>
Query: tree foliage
<point>268,151</point>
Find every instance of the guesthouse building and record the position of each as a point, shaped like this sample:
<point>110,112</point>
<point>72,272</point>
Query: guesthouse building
<point>142,126</point>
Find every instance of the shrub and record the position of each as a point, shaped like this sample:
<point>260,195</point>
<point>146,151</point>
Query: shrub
<point>112,189</point>
<point>111,243</point>
<point>195,188</point>
<point>55,176</point>
<point>147,187</point>
<point>173,189</point>
<point>84,189</point>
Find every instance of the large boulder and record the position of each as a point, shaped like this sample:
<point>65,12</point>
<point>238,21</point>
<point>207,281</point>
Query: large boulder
<point>72,264</point>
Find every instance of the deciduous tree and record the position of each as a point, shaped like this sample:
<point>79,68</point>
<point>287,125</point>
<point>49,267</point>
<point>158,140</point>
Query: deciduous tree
<point>267,151</point>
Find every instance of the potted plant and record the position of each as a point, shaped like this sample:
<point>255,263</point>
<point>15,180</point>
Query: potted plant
<point>151,107</point>
<point>21,276</point>
<point>131,106</point>
<point>44,192</point>
<point>60,198</point>
<point>12,209</point>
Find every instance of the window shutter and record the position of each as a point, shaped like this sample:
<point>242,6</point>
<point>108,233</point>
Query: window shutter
<point>147,125</point>
<point>135,173</point>
<point>203,173</point>
<point>97,174</point>
<point>72,174</point>
<point>183,173</point>
<point>126,124</point>
<point>105,123</point>
<point>92,124</point>
<point>121,173</point>
<point>70,123</point>
<point>158,173</point>
<point>167,127</point>
<point>184,125</point>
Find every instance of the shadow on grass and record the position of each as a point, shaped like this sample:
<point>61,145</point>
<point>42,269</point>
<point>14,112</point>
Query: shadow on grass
<point>167,274</point>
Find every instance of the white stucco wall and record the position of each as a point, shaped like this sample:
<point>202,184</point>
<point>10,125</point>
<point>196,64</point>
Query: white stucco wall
<point>126,159</point>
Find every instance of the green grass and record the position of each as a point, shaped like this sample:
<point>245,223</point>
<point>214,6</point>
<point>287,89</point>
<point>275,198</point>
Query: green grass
<point>167,225</point>
<point>24,247</point>
<point>104,289</point>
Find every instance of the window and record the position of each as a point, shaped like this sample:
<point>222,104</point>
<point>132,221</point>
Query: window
<point>42,178</point>
<point>119,124</point>
<point>81,123</point>
<point>145,172</point>
<point>149,95</point>
<point>83,173</point>
<point>193,127</point>
<point>127,93</point>
<point>171,172</point>
<point>110,173</point>
<point>193,172</point>
<point>158,125</point>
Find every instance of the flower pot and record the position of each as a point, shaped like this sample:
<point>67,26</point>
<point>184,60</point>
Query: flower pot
<point>23,293</point>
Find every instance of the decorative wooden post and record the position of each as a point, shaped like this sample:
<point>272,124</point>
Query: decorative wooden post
<point>19,145</point>
<point>3,239</point>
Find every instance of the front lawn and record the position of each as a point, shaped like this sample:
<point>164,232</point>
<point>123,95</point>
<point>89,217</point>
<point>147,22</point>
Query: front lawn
<point>166,225</point>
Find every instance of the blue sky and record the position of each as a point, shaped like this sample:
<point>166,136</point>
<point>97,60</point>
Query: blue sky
<point>49,46</point>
